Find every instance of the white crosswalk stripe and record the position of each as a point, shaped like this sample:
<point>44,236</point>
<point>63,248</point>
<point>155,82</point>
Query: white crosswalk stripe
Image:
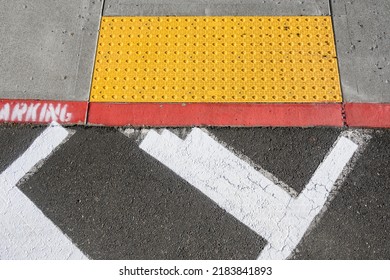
<point>244,192</point>
<point>25,232</point>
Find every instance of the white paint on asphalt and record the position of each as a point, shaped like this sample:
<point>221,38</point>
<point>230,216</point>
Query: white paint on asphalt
<point>25,232</point>
<point>246,193</point>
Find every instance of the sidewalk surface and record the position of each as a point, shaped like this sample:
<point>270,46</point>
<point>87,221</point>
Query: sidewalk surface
<point>217,63</point>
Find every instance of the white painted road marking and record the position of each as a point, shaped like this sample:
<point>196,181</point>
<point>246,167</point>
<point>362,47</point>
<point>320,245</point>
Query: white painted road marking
<point>244,192</point>
<point>25,232</point>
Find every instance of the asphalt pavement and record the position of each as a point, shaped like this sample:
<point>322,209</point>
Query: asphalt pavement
<point>115,201</point>
<point>258,190</point>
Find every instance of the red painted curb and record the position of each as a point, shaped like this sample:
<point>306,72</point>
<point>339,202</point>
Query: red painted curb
<point>214,114</point>
<point>42,111</point>
<point>368,115</point>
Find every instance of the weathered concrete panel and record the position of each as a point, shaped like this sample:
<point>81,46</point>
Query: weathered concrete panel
<point>47,48</point>
<point>363,41</point>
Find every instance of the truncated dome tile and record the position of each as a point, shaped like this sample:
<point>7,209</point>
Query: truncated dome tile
<point>216,59</point>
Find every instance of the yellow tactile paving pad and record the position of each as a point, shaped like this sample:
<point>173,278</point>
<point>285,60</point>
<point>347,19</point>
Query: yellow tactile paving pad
<point>216,59</point>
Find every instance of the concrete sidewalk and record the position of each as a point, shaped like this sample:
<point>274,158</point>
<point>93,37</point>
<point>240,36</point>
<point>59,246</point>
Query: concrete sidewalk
<point>48,59</point>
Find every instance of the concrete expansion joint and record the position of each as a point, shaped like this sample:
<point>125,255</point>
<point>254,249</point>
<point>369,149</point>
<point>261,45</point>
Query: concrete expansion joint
<point>344,115</point>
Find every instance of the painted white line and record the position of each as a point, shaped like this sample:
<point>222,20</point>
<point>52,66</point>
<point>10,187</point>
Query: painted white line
<point>25,232</point>
<point>302,211</point>
<point>244,192</point>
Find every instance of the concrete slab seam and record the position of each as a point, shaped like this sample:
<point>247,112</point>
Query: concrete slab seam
<point>93,64</point>
<point>336,51</point>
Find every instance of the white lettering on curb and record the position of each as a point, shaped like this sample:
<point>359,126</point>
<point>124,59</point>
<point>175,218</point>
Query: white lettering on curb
<point>34,112</point>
